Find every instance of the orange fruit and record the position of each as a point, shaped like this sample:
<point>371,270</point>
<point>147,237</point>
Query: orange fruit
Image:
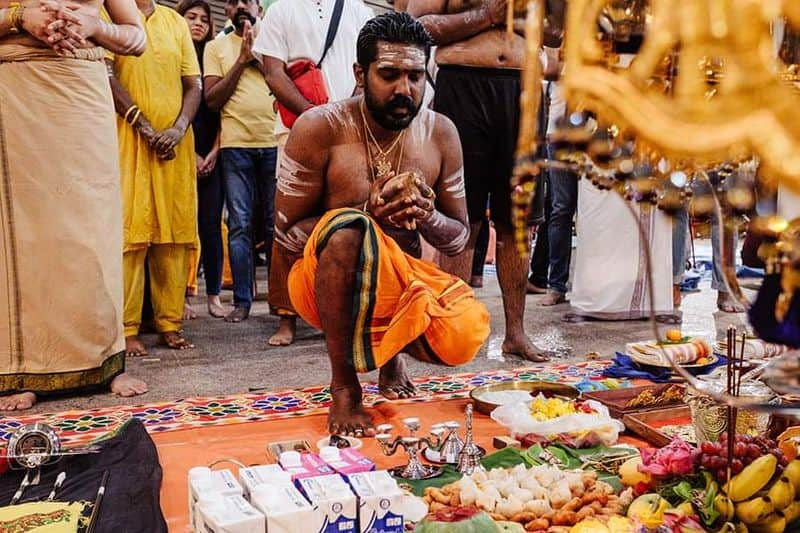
<point>674,335</point>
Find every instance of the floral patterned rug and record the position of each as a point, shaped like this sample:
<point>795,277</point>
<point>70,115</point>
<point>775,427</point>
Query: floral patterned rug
<point>79,427</point>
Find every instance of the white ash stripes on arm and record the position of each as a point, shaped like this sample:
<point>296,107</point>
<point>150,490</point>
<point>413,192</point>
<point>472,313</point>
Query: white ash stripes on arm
<point>120,39</point>
<point>293,239</point>
<point>454,184</point>
<point>447,235</point>
<point>293,178</point>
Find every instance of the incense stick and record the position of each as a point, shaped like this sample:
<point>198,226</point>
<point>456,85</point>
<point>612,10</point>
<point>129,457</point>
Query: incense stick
<point>97,501</point>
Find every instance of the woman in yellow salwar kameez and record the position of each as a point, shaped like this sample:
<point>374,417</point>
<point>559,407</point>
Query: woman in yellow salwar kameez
<point>156,97</point>
<point>60,212</point>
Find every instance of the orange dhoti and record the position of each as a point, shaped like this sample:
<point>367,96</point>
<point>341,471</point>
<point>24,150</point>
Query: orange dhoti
<point>398,299</point>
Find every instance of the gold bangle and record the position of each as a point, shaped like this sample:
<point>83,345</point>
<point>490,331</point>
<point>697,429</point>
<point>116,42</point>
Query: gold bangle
<point>130,110</point>
<point>136,117</point>
<point>15,12</point>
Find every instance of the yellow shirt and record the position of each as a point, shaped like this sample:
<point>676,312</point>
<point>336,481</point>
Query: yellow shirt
<point>248,117</point>
<point>159,198</point>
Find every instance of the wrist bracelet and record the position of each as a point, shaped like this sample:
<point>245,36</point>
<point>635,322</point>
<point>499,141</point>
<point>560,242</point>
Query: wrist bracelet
<point>15,12</point>
<point>136,117</point>
<point>130,110</point>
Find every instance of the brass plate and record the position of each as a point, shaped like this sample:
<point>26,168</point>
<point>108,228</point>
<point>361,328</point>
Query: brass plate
<point>534,387</point>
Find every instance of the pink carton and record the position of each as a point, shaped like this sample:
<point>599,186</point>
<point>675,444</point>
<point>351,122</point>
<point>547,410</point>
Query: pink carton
<point>346,461</point>
<point>304,465</point>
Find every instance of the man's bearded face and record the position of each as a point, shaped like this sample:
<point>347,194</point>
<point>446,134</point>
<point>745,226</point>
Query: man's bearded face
<point>395,84</point>
<point>244,12</point>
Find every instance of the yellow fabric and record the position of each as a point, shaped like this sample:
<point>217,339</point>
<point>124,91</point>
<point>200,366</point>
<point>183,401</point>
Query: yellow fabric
<point>227,275</point>
<point>159,197</point>
<point>60,223</point>
<point>43,517</point>
<point>398,299</point>
<point>194,266</point>
<point>248,117</point>
<point>168,265</point>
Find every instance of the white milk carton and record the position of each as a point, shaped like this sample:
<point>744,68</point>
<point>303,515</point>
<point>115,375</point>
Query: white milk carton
<point>335,503</point>
<point>286,510</point>
<point>379,502</point>
<point>228,514</point>
<point>254,476</point>
<point>205,483</point>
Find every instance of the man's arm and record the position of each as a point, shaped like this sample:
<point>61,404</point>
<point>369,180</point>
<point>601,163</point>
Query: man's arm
<point>218,89</point>
<point>283,87</point>
<point>301,181</point>
<point>446,29</point>
<point>169,138</point>
<point>446,228</point>
<point>123,103</point>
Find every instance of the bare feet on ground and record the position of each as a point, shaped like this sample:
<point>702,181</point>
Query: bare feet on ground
<point>728,304</point>
<point>393,380</point>
<point>215,307</point>
<point>17,402</point>
<point>127,385</point>
<point>347,415</point>
<point>175,341</point>
<point>188,312</point>
<point>287,326</point>
<point>238,314</point>
<point>524,348</point>
<point>134,347</point>
<point>553,298</point>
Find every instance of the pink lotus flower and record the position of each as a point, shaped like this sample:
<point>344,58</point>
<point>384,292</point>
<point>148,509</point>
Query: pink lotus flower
<point>674,459</point>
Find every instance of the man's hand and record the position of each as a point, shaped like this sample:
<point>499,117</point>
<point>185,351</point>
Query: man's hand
<point>246,52</point>
<point>209,163</point>
<point>50,23</point>
<point>401,200</point>
<point>496,11</point>
<point>164,143</point>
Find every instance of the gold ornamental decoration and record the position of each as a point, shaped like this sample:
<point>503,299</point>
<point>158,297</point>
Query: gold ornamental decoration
<point>752,111</point>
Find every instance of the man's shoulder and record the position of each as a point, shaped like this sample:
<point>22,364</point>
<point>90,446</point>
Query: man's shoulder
<point>329,119</point>
<point>170,14</point>
<point>434,125</point>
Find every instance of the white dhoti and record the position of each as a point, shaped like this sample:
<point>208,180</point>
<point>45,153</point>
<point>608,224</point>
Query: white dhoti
<point>610,280</point>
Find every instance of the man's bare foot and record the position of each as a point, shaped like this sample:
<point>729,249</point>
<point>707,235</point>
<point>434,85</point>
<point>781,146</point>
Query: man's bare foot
<point>393,380</point>
<point>17,402</point>
<point>215,308</point>
<point>727,304</point>
<point>676,296</point>
<point>525,349</point>
<point>238,314</point>
<point>532,288</point>
<point>174,341</point>
<point>553,297</point>
<point>347,415</point>
<point>188,312</point>
<point>285,334</point>
<point>127,385</point>
<point>134,347</point>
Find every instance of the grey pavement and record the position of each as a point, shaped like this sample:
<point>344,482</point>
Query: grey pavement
<point>235,358</point>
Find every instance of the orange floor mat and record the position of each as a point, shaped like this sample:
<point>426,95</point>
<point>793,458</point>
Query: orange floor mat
<point>247,443</point>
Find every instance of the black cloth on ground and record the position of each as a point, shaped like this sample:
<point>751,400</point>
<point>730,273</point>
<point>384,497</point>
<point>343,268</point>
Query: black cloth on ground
<point>131,503</point>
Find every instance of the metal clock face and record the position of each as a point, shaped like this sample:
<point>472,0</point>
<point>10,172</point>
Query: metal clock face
<point>34,445</point>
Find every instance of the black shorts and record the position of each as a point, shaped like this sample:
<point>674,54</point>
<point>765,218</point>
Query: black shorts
<point>483,103</point>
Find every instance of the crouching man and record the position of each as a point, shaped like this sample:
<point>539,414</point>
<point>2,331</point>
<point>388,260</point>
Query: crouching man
<point>361,180</point>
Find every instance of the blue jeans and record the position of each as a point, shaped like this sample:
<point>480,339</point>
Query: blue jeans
<point>249,175</point>
<point>563,200</point>
<point>680,229</point>
<point>210,198</point>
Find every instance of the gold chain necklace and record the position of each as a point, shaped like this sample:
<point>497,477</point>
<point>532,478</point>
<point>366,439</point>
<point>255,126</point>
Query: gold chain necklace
<point>380,166</point>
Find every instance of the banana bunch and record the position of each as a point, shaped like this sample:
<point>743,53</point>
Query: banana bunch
<point>758,502</point>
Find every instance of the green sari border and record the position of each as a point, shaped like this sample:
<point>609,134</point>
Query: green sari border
<point>65,382</point>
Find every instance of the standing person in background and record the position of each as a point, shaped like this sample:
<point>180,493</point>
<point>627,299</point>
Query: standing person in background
<point>59,137</point>
<point>297,30</point>
<point>234,85</point>
<point>210,192</point>
<point>156,97</point>
<point>478,88</point>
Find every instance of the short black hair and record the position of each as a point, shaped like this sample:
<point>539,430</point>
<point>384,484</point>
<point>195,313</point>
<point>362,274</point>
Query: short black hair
<point>391,27</point>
